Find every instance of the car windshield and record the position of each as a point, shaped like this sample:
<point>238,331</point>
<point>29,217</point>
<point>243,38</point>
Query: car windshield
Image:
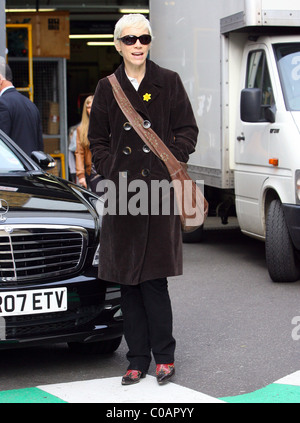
<point>288,62</point>
<point>9,162</point>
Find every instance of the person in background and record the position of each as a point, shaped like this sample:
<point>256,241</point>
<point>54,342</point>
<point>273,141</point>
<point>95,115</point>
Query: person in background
<point>83,153</point>
<point>19,117</point>
<point>141,250</point>
<point>72,149</point>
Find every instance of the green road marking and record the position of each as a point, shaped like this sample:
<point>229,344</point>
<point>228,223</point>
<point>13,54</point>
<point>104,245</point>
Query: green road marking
<point>271,394</point>
<point>30,395</point>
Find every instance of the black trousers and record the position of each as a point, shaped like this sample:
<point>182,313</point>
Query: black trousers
<point>148,323</point>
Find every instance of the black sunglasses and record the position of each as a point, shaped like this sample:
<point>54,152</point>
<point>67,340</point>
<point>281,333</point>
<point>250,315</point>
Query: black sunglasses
<point>130,40</point>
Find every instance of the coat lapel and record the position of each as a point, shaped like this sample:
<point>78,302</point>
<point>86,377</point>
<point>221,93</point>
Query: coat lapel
<point>148,92</point>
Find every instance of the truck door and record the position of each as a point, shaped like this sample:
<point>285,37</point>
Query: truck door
<point>253,141</point>
<point>252,145</point>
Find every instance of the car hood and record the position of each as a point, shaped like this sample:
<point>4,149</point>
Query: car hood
<point>39,198</point>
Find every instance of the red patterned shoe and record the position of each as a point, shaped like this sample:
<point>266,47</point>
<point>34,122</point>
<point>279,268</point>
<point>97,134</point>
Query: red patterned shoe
<point>132,376</point>
<point>164,372</point>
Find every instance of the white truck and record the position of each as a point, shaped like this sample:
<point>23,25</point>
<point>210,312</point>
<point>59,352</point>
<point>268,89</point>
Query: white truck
<point>240,63</point>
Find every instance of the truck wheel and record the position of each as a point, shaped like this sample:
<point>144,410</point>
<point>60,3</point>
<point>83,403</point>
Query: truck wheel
<point>282,262</point>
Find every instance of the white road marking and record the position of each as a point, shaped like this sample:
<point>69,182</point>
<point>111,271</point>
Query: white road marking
<point>292,379</point>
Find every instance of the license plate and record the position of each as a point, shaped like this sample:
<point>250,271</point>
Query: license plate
<point>33,302</point>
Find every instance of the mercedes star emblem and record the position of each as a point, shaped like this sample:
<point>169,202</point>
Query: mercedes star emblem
<point>4,207</point>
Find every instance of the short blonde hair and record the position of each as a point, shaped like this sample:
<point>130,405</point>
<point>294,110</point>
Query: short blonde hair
<point>133,19</point>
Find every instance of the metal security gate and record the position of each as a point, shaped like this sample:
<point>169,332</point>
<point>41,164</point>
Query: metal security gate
<point>50,96</point>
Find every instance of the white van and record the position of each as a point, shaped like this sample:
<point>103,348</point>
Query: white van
<point>240,63</point>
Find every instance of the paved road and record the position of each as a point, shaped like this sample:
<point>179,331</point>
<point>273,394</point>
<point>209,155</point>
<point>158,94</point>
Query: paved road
<point>235,322</point>
<point>232,324</point>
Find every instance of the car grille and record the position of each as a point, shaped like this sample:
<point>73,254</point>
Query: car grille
<point>29,253</point>
<point>40,324</point>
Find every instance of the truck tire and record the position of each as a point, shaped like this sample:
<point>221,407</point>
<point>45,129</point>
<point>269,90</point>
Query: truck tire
<point>282,262</point>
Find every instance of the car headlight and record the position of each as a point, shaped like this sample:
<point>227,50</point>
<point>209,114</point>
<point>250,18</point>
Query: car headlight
<point>96,257</point>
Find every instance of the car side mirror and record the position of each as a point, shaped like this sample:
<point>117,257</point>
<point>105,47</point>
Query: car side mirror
<point>251,104</point>
<point>252,109</point>
<point>44,160</point>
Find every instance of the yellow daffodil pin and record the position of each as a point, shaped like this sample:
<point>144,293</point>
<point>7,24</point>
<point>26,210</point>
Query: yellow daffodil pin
<point>147,97</point>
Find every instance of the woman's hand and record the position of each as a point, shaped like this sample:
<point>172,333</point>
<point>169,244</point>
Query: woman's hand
<point>82,182</point>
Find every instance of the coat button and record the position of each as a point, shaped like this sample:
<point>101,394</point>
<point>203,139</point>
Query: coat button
<point>127,126</point>
<point>127,151</point>
<point>145,172</point>
<point>146,124</point>
<point>146,149</point>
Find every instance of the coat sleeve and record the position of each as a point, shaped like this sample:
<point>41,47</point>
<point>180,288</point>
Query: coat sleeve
<point>79,157</point>
<point>99,131</point>
<point>183,123</point>
<point>5,121</point>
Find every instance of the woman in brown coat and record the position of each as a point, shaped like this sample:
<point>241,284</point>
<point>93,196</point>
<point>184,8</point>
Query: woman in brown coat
<point>83,155</point>
<point>141,249</point>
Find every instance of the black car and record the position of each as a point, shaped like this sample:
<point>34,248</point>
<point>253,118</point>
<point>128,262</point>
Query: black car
<point>49,240</point>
